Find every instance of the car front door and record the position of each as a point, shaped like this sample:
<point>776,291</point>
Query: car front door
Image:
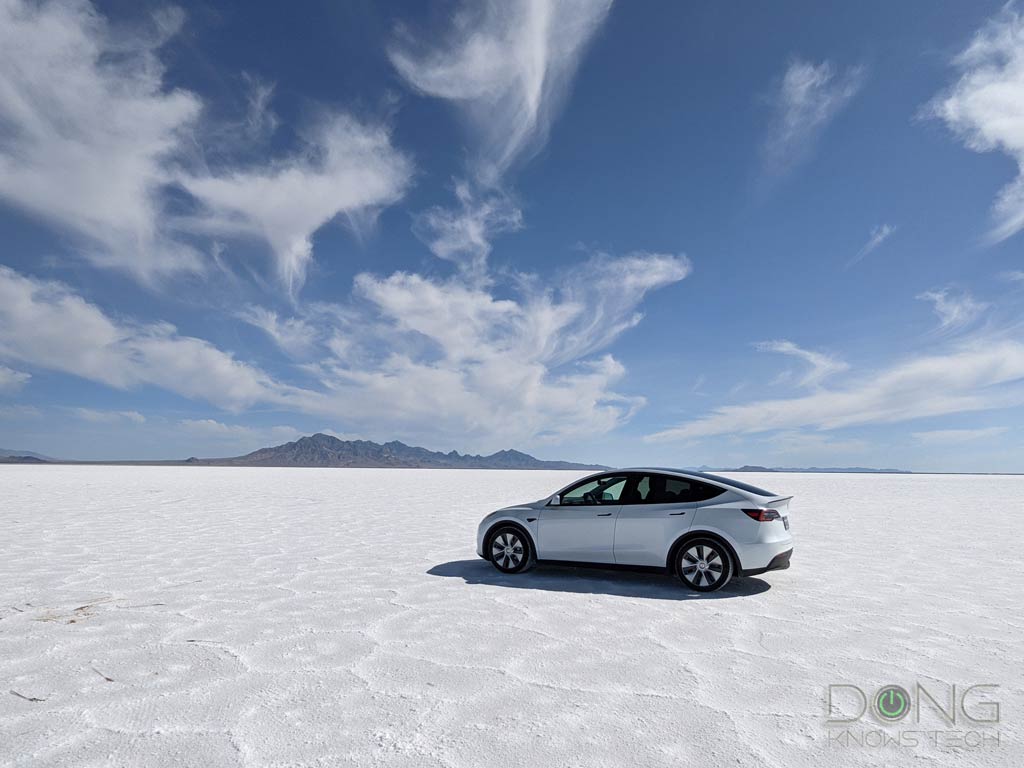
<point>581,527</point>
<point>656,510</point>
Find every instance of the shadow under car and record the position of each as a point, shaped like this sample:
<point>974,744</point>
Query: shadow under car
<point>594,580</point>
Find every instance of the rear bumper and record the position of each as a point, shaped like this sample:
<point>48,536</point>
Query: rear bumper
<point>778,563</point>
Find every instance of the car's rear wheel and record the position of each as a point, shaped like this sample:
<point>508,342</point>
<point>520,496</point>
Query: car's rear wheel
<point>703,565</point>
<point>510,550</point>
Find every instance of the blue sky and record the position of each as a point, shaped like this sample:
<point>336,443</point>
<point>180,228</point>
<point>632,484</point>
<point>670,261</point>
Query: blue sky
<point>680,233</point>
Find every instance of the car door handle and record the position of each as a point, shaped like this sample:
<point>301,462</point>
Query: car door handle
<point>677,513</point>
<point>604,514</point>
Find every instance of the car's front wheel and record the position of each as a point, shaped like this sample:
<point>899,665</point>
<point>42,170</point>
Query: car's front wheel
<point>510,550</point>
<point>703,565</point>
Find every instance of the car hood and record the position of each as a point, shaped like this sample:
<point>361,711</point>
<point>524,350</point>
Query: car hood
<point>527,505</point>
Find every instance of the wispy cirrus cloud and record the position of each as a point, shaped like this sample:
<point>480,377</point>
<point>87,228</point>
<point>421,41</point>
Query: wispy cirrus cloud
<point>957,436</point>
<point>44,323</point>
<point>528,366</point>
<point>87,129</point>
<point>463,235</point>
<point>879,235</point>
<point>93,141</point>
<point>348,169</point>
<point>806,100</point>
<point>19,412</point>
<point>97,416</point>
<point>985,107</point>
<point>955,310</point>
<point>292,335</point>
<point>11,380</point>
<point>260,119</point>
<point>408,355</point>
<point>248,438</point>
<point>507,65</point>
<point>820,364</point>
<point>975,376</point>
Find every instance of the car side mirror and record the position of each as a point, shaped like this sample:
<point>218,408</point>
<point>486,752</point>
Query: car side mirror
<point>554,501</point>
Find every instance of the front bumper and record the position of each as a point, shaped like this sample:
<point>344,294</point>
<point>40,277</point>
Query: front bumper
<point>778,563</point>
<point>481,529</point>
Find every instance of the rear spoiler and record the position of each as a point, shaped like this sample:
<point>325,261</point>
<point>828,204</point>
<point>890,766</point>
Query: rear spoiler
<point>778,500</point>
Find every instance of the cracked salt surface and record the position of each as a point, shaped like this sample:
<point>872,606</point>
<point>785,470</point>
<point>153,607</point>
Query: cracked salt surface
<point>173,616</point>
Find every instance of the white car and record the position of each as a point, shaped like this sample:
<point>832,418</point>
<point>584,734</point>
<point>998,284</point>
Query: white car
<point>704,528</point>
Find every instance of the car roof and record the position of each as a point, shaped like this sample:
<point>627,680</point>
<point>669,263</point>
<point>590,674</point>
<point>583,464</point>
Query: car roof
<point>717,479</point>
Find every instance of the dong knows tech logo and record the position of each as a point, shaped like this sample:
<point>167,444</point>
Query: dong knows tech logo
<point>938,714</point>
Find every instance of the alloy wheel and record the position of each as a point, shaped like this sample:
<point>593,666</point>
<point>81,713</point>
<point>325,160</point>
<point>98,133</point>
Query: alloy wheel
<point>702,565</point>
<point>507,550</point>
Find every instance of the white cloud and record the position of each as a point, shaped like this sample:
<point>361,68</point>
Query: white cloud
<point>233,433</point>
<point>807,100</point>
<point>43,323</point>
<point>957,436</point>
<point>11,380</point>
<point>409,356</point>
<point>508,65</point>
<point>1013,276</point>
<point>107,417</point>
<point>605,293</point>
<point>977,376</point>
<point>955,311</point>
<point>466,365</point>
<point>812,446</point>
<point>348,169</point>
<point>86,129</point>
<point>19,412</point>
<point>260,120</point>
<point>464,235</point>
<point>878,236</point>
<point>92,141</point>
<point>985,108</point>
<point>821,365</point>
<point>292,334</point>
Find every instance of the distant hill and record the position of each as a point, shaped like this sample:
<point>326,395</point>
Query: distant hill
<point>22,460</point>
<point>321,450</point>
<point>6,453</point>
<point>863,470</point>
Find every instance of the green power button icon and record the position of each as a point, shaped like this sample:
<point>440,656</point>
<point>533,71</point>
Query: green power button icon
<point>892,703</point>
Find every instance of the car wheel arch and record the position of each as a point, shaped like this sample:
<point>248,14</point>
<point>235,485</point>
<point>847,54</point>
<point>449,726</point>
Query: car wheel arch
<point>702,534</point>
<point>507,523</point>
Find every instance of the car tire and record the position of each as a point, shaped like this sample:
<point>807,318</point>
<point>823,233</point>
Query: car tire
<point>510,550</point>
<point>703,565</point>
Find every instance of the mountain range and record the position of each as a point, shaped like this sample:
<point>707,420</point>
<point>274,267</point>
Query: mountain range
<point>322,450</point>
<point>854,470</point>
<point>6,453</point>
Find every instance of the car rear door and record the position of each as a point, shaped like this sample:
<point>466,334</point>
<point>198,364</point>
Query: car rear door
<point>655,512</point>
<point>581,528</point>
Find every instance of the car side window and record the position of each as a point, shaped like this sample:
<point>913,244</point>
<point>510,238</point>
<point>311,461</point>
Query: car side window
<point>704,491</point>
<point>664,489</point>
<point>601,490</point>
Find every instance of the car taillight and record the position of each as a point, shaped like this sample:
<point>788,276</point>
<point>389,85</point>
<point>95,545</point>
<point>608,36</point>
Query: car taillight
<point>762,515</point>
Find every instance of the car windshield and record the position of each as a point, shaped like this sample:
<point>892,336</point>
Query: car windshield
<point>735,484</point>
